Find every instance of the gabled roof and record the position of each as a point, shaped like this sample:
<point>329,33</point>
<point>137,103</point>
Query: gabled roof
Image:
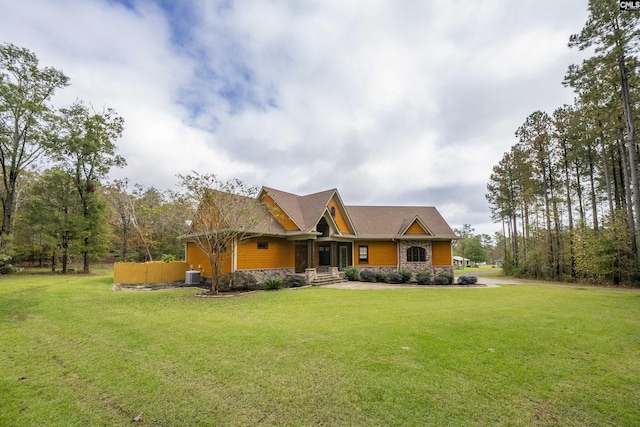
<point>408,223</point>
<point>314,206</point>
<point>367,222</point>
<point>287,202</point>
<point>259,220</point>
<point>304,211</point>
<point>390,222</point>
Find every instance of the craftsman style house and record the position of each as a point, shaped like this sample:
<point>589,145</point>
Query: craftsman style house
<point>318,235</point>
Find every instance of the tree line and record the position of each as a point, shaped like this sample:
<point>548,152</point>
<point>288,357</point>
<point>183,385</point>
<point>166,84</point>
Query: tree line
<point>568,192</point>
<point>57,205</point>
<point>477,248</point>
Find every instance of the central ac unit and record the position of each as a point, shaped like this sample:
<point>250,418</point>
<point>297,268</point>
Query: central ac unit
<point>193,277</point>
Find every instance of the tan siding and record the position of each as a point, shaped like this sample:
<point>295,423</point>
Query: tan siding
<point>280,254</point>
<point>442,253</point>
<point>416,228</point>
<point>195,257</point>
<point>340,220</point>
<point>381,253</point>
<point>284,220</point>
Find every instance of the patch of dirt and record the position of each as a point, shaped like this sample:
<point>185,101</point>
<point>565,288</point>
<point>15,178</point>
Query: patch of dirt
<point>205,293</point>
<point>209,294</point>
<point>152,286</point>
<point>21,317</point>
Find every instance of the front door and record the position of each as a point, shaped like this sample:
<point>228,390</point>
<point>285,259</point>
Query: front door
<point>301,258</point>
<point>324,255</point>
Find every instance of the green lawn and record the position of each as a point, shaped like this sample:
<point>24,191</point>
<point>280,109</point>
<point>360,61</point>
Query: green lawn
<point>74,352</point>
<point>486,270</point>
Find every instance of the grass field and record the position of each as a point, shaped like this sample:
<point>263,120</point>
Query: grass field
<point>74,352</point>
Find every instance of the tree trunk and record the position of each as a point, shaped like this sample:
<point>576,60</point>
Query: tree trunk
<point>579,194</point>
<point>7,210</point>
<point>629,203</point>
<point>617,178</point>
<point>215,275</point>
<point>125,238</point>
<point>514,240</point>
<point>594,204</point>
<point>631,142</point>
<point>65,256</point>
<point>572,260</point>
<point>546,188</point>
<point>85,256</point>
<point>607,175</point>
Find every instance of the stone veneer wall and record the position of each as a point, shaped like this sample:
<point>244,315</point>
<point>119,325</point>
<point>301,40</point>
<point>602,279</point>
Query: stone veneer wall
<point>413,267</point>
<point>442,269</point>
<point>376,269</point>
<point>416,267</point>
<point>270,273</point>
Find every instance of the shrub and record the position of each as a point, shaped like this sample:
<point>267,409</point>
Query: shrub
<point>273,284</point>
<point>423,278</point>
<point>5,264</point>
<point>295,281</point>
<point>367,276</point>
<point>238,281</point>
<point>381,276</point>
<point>406,276</point>
<point>467,280</point>
<point>394,277</point>
<point>448,276</point>
<point>351,274</point>
<point>440,280</point>
<point>168,258</point>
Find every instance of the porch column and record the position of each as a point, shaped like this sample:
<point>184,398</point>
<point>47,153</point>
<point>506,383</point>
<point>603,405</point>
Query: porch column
<point>310,254</point>
<point>334,254</point>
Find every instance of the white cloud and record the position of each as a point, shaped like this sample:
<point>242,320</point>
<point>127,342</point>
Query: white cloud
<point>379,99</point>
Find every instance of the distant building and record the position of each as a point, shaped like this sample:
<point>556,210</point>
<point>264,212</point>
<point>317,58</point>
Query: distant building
<point>460,262</point>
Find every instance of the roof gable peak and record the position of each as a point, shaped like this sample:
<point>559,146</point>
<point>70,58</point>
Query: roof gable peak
<point>415,226</point>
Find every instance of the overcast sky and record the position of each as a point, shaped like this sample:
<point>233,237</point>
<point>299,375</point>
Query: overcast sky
<point>392,102</point>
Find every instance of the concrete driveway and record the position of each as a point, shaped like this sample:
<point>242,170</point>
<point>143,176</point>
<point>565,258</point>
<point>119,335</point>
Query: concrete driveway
<point>483,282</point>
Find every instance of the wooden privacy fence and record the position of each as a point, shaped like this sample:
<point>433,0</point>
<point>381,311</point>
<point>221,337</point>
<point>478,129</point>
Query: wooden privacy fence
<point>129,273</point>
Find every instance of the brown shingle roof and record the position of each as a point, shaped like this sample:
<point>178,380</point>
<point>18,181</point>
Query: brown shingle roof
<point>370,222</point>
<point>389,221</point>
<point>305,211</point>
<point>288,202</point>
<point>259,220</point>
<point>313,207</point>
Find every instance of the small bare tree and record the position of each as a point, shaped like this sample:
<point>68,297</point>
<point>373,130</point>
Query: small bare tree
<point>227,213</point>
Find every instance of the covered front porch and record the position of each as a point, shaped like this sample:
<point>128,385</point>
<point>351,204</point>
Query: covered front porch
<point>322,254</point>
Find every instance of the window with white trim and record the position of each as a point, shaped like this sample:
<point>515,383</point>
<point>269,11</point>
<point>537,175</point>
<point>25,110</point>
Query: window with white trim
<point>363,254</point>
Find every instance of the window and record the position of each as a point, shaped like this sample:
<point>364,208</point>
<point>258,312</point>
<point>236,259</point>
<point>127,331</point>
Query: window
<point>333,211</point>
<point>323,227</point>
<point>363,254</point>
<point>416,254</point>
<point>263,245</point>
